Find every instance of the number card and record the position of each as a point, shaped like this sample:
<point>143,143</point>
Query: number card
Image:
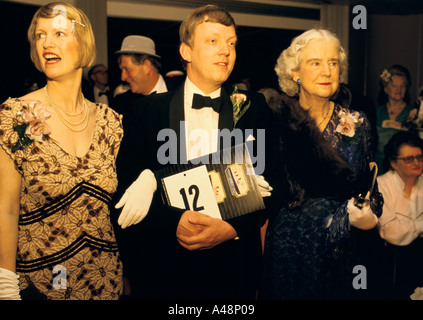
<point>191,190</point>
<point>223,185</point>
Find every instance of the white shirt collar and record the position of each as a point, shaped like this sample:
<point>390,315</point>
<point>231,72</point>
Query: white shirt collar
<point>97,90</point>
<point>191,88</point>
<point>160,86</point>
<point>400,182</point>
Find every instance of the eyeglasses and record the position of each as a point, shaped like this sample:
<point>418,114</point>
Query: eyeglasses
<point>410,159</point>
<point>101,71</point>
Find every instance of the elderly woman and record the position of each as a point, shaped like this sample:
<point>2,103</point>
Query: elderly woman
<point>57,173</point>
<point>325,151</point>
<point>402,188</point>
<point>401,223</point>
<point>394,107</point>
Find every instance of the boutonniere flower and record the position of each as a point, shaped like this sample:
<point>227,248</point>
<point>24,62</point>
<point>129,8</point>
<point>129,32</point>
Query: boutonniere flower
<point>32,125</point>
<point>413,122</point>
<point>349,125</point>
<point>240,104</point>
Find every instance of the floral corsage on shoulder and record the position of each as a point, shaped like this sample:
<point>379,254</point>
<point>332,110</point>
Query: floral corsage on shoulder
<point>349,126</point>
<point>240,104</point>
<point>32,125</point>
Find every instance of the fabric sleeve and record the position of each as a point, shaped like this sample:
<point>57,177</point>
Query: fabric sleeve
<point>8,135</point>
<point>338,226</point>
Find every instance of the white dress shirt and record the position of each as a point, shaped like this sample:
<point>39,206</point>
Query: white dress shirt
<point>402,218</point>
<point>201,125</point>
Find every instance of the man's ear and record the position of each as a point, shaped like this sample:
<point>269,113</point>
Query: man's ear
<point>147,65</point>
<point>185,52</point>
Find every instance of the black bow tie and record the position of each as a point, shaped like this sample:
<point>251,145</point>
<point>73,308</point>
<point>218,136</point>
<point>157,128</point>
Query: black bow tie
<point>105,92</point>
<point>199,101</point>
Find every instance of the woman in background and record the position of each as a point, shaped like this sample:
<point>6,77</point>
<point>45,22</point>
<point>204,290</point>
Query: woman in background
<point>394,107</point>
<point>401,223</point>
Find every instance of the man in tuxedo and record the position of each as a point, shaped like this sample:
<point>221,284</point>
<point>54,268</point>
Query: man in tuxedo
<point>182,254</point>
<point>98,91</point>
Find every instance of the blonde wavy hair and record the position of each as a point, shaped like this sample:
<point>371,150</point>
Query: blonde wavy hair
<point>81,27</point>
<point>291,58</point>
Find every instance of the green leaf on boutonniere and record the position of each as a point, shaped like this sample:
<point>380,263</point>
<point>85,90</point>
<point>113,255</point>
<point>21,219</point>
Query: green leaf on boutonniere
<point>240,104</point>
<point>23,140</point>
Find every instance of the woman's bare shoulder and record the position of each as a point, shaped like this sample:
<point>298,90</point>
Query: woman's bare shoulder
<point>34,95</point>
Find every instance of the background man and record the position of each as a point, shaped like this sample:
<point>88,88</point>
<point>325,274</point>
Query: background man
<point>140,68</point>
<point>99,90</point>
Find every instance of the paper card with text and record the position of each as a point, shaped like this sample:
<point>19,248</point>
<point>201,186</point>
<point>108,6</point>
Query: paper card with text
<point>232,185</point>
<point>191,190</point>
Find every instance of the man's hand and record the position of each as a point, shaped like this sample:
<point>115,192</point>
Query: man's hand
<point>264,187</point>
<point>198,231</point>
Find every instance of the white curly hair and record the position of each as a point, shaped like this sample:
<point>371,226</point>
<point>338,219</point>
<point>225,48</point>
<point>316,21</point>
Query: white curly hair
<point>291,58</point>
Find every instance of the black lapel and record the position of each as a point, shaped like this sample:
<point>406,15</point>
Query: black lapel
<point>226,112</point>
<point>176,115</point>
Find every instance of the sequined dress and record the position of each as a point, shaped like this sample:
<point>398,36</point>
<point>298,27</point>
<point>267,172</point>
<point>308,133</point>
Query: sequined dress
<point>306,252</point>
<point>66,245</point>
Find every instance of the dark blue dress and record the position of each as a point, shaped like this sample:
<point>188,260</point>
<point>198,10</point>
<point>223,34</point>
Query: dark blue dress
<point>308,252</point>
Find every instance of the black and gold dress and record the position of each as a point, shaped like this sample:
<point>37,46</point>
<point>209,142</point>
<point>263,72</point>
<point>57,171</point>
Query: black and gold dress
<point>66,246</point>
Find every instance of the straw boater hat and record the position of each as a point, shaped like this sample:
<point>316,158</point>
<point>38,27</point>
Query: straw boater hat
<point>138,44</point>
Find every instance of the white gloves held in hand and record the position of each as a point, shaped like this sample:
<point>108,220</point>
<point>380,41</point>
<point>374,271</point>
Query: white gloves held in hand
<point>264,186</point>
<point>137,199</point>
<point>363,218</point>
<point>9,285</point>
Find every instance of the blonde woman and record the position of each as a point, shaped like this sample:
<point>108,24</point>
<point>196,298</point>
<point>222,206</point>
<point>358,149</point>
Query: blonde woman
<point>57,173</point>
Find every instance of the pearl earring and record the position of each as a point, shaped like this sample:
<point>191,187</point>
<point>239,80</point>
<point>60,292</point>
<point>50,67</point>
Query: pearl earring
<point>298,81</point>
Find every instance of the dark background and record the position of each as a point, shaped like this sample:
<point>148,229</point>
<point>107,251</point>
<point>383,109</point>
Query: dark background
<point>257,50</point>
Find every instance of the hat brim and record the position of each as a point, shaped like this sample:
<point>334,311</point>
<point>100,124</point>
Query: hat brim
<point>137,52</point>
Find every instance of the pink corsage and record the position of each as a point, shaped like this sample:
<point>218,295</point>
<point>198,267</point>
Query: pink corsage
<point>240,105</point>
<point>349,124</point>
<point>32,125</point>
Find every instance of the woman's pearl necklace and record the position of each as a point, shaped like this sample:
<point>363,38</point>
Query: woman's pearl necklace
<point>69,124</point>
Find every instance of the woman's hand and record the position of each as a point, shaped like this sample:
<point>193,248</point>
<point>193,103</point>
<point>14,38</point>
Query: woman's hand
<point>363,218</point>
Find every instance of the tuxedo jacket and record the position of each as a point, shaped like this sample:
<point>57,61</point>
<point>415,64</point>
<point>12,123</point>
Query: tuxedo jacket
<point>230,270</point>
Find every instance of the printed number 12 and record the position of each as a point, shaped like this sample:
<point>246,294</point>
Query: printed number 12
<point>191,189</point>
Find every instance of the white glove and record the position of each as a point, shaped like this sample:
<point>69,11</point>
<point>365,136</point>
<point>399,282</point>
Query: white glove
<point>264,186</point>
<point>136,200</point>
<point>9,285</point>
<point>363,218</point>
<point>417,294</point>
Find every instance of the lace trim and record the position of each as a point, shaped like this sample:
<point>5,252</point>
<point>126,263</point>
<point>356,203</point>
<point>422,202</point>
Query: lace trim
<point>85,240</point>
<point>57,205</point>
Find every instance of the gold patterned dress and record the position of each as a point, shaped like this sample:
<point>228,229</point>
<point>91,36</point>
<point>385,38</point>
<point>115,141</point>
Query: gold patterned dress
<point>66,246</point>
